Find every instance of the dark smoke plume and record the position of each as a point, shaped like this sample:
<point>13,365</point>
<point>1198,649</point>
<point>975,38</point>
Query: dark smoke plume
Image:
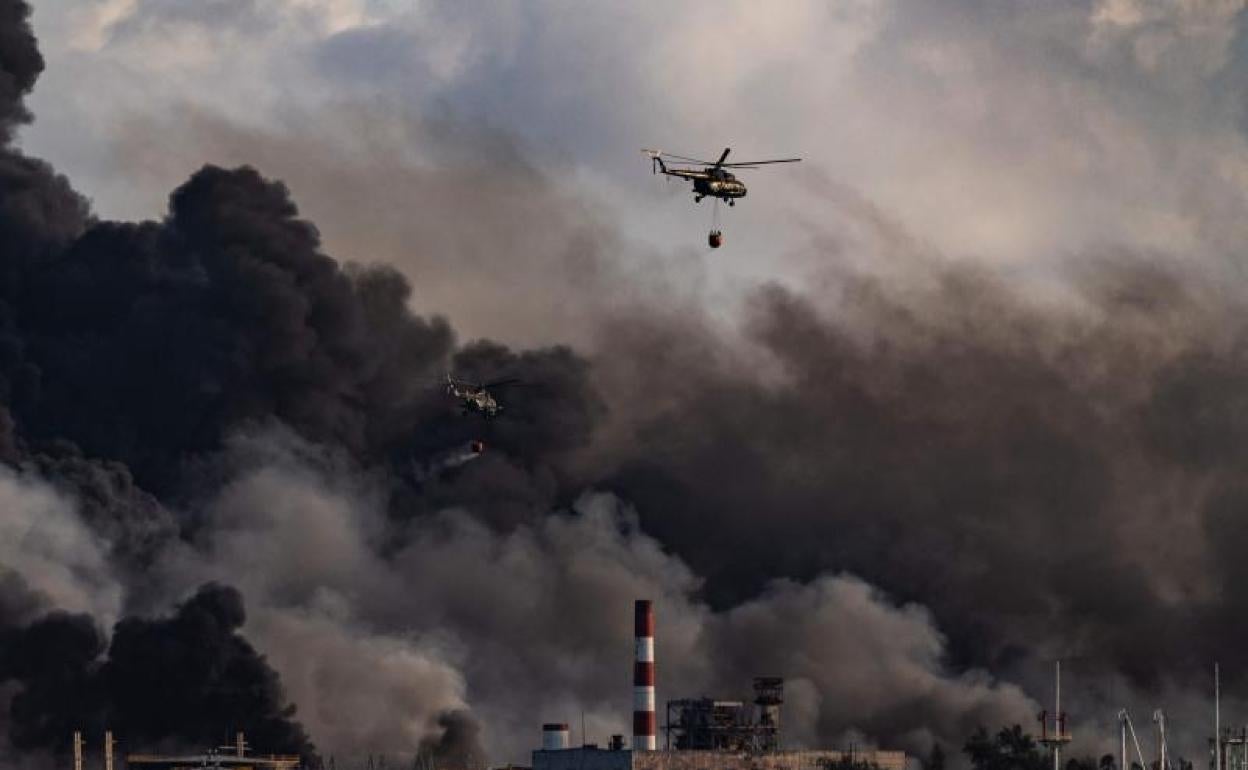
<point>1023,479</point>
<point>20,65</point>
<point>147,344</point>
<point>459,745</point>
<point>188,680</point>
<point>193,678</point>
<point>54,661</point>
<point>1050,479</point>
<point>129,353</point>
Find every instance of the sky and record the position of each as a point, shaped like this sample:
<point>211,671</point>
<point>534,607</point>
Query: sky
<point>1018,134</point>
<point>978,360</point>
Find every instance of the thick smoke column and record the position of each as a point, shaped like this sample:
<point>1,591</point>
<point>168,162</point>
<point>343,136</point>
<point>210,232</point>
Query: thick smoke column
<point>193,678</point>
<point>211,397</point>
<point>20,65</point>
<point>459,745</point>
<point>535,632</point>
<point>184,680</point>
<point>129,353</point>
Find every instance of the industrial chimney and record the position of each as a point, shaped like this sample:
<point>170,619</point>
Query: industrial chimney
<point>644,721</point>
<point>554,736</point>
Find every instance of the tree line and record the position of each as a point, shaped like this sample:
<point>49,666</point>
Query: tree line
<point>1012,749</point>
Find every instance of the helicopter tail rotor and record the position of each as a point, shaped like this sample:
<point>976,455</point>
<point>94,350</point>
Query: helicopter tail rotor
<point>656,160</point>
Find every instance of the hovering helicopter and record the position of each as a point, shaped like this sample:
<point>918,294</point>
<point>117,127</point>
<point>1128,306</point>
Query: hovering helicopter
<point>713,179</point>
<point>474,397</point>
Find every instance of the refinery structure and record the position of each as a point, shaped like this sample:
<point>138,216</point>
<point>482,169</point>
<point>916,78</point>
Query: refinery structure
<point>717,734</point>
<point>698,733</point>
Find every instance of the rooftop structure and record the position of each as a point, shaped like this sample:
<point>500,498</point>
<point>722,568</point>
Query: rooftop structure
<point>211,760</point>
<point>595,758</point>
<point>232,757</point>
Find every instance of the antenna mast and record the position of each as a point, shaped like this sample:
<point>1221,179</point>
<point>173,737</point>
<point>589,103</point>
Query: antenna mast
<point>1217,720</point>
<point>1159,717</point>
<point>1059,735</point>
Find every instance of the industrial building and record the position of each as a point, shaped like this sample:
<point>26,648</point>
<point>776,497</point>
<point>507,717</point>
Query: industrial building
<point>704,724</point>
<point>699,733</point>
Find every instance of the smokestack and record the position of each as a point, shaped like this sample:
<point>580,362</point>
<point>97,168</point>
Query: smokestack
<point>555,736</point>
<point>108,749</point>
<point>643,678</point>
<point>77,750</point>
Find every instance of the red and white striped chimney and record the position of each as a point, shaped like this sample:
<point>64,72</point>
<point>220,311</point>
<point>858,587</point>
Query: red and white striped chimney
<point>644,721</point>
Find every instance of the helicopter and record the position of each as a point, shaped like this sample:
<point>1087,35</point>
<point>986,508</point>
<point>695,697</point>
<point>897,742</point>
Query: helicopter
<point>713,179</point>
<point>476,397</point>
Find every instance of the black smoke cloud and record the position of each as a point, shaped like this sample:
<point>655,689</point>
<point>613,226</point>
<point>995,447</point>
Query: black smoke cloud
<point>196,661</point>
<point>223,400</point>
<point>20,65</point>
<point>459,745</point>
<point>130,351</point>
<point>148,343</point>
<point>1052,478</point>
<point>188,680</point>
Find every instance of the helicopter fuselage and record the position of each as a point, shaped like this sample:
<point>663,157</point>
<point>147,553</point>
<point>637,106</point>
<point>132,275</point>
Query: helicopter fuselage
<point>714,183</point>
<point>720,188</point>
<point>474,400</point>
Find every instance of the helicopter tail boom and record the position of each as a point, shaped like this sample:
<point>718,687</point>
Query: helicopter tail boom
<point>656,160</point>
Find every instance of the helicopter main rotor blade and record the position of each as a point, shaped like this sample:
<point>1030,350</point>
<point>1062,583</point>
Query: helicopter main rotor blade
<point>687,159</point>
<point>749,163</point>
<point>723,157</point>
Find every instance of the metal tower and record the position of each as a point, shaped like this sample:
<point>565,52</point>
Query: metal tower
<point>1059,736</point>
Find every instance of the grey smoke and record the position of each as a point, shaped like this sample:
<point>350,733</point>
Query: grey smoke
<point>49,550</point>
<point>898,442</point>
<point>528,625</point>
